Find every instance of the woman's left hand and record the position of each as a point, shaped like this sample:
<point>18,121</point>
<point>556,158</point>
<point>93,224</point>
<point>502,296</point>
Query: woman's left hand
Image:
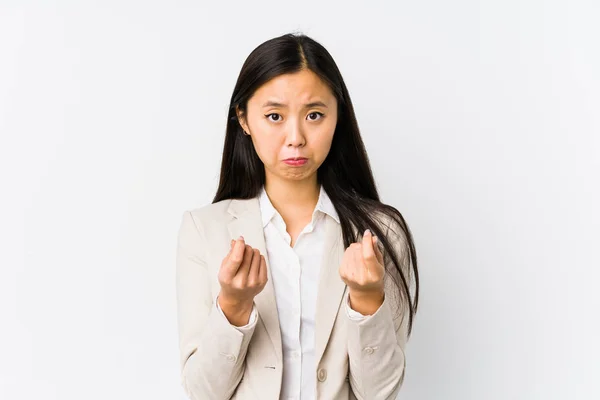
<point>362,269</point>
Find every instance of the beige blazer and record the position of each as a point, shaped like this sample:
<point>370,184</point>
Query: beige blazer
<point>355,360</point>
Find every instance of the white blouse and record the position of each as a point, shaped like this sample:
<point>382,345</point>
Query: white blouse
<point>295,272</point>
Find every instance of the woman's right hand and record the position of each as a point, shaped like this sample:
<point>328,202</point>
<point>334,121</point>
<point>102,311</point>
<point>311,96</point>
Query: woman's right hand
<point>243,275</point>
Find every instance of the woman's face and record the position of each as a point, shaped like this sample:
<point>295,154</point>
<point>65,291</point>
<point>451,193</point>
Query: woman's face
<point>291,116</point>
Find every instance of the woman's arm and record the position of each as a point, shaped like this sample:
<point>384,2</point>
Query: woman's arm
<point>212,351</point>
<point>376,355</point>
<point>376,343</point>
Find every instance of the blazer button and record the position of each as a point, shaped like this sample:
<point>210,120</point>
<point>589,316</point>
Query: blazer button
<point>230,357</point>
<point>322,375</point>
<point>369,350</point>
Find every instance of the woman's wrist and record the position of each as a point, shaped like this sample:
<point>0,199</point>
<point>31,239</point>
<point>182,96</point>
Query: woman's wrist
<point>366,303</point>
<point>237,312</point>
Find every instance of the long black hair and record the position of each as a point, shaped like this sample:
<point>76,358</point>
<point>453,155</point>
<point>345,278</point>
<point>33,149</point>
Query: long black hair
<point>345,174</point>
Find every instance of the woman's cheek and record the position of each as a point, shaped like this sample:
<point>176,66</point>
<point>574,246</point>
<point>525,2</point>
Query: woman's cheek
<point>267,153</point>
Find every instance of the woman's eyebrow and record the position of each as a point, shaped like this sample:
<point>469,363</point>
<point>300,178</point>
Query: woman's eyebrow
<point>281,105</point>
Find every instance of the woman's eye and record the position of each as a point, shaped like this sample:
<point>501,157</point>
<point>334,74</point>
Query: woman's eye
<point>274,114</point>
<point>314,116</point>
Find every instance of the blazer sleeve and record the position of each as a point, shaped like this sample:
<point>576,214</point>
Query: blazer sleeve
<point>212,351</point>
<point>376,344</point>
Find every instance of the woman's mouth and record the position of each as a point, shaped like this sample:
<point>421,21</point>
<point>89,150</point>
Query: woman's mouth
<point>296,161</point>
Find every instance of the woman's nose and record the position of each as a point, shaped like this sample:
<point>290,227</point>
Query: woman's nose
<point>295,135</point>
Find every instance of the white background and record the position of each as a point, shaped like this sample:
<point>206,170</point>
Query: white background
<point>482,122</point>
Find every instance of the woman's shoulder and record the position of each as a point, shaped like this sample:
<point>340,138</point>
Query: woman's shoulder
<point>223,210</point>
<point>210,211</point>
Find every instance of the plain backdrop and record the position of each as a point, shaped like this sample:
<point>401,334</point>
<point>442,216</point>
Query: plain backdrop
<point>482,123</point>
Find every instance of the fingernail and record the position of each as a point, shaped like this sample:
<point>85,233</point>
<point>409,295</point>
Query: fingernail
<point>241,237</point>
<point>367,232</point>
<point>375,239</point>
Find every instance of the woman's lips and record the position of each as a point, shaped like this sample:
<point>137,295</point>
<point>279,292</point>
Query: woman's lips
<point>296,162</point>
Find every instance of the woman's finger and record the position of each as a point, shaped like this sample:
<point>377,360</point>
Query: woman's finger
<point>231,246</point>
<point>254,267</point>
<point>263,274</point>
<point>378,253</point>
<point>236,256</point>
<point>368,253</point>
<point>343,268</point>
<point>356,261</point>
<point>245,267</point>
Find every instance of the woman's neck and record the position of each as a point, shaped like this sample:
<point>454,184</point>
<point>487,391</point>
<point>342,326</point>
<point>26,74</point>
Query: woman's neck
<point>293,196</point>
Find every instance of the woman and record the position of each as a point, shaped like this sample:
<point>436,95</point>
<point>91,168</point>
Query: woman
<point>296,282</point>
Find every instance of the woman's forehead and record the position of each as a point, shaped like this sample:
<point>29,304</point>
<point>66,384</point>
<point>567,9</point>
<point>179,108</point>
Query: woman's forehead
<point>303,88</point>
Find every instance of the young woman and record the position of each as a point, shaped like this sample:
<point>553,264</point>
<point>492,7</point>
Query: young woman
<point>296,282</point>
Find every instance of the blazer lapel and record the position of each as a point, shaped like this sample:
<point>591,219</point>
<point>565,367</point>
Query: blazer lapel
<point>331,287</point>
<point>248,223</point>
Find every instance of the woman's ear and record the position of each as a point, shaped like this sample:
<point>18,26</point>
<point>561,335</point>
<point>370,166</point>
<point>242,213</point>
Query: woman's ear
<point>241,119</point>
